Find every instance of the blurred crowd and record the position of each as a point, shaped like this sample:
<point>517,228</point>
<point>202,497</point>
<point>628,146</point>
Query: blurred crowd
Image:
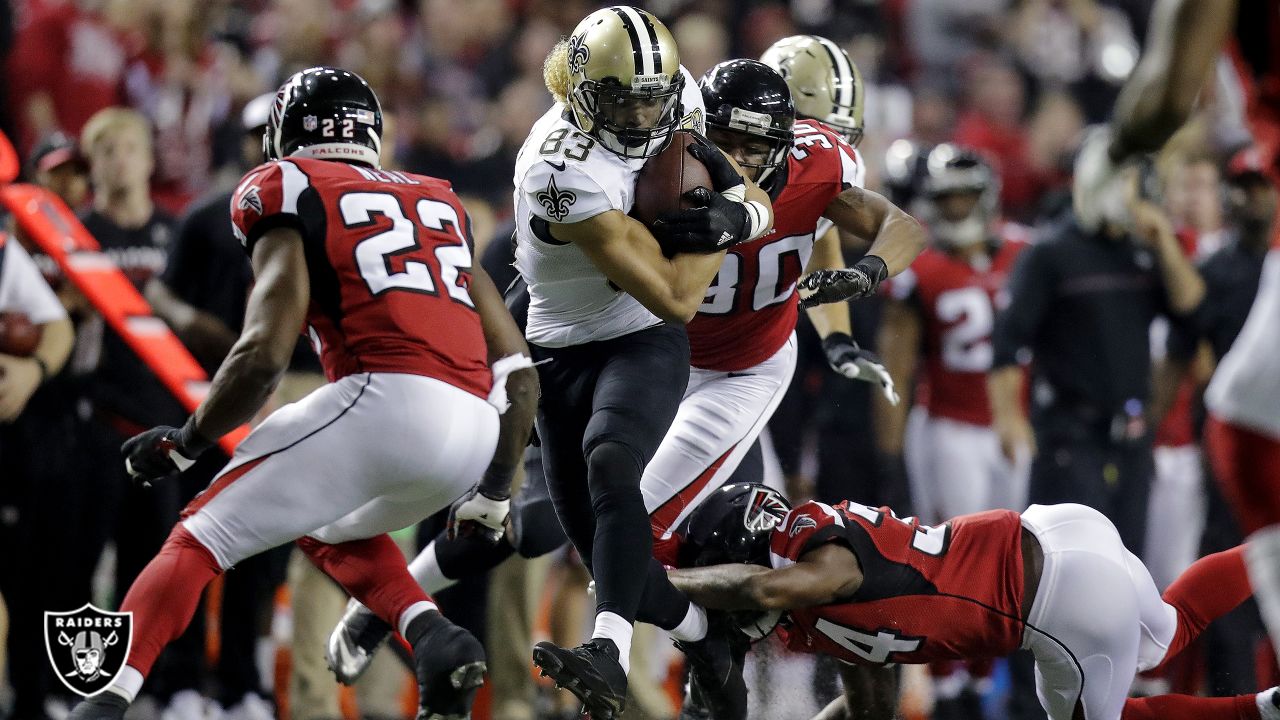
<point>142,114</point>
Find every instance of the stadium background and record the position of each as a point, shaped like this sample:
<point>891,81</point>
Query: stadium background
<point>461,83</point>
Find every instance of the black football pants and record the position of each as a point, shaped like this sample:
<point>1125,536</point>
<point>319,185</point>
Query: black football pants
<point>605,408</point>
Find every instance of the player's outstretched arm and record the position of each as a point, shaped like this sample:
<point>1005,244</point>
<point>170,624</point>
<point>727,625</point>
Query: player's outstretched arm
<point>628,254</point>
<point>1183,43</point>
<point>896,237</point>
<point>504,339</point>
<point>823,575</point>
<point>899,345</point>
<point>276,310</point>
<point>897,240</point>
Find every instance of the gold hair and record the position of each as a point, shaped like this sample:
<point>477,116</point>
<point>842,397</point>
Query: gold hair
<point>555,71</point>
<point>109,121</point>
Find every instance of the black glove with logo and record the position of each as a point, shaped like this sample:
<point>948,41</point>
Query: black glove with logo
<point>845,357</point>
<point>716,222</point>
<point>162,451</point>
<point>830,286</point>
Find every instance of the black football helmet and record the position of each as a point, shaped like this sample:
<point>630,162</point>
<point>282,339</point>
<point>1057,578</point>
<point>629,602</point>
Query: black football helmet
<point>953,169</point>
<point>327,113</point>
<point>733,526</point>
<point>746,96</point>
<point>904,169</point>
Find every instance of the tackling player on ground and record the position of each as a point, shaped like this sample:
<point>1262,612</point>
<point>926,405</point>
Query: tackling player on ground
<point>1243,397</point>
<point>377,266</point>
<point>871,589</point>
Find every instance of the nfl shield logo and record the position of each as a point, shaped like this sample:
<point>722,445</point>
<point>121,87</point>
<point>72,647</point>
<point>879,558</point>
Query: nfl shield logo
<point>87,647</point>
<point>309,122</point>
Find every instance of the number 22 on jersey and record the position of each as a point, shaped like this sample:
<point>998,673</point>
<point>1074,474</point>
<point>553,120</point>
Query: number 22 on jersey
<point>377,254</point>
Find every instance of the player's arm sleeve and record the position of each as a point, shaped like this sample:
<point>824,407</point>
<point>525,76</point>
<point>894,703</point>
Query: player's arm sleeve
<point>23,289</point>
<point>267,198</point>
<point>1021,307</point>
<point>564,196</point>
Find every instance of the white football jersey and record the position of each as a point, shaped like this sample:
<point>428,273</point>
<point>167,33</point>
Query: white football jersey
<point>563,175</point>
<point>1245,388</point>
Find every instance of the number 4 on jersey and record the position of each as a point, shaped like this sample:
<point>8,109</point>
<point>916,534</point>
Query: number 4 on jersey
<point>872,648</point>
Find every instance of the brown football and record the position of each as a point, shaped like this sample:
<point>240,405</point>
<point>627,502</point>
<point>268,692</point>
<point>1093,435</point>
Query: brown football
<point>665,177</point>
<point>18,335</point>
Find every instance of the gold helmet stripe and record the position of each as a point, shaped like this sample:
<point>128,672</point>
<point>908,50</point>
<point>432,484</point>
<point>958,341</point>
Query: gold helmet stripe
<point>844,73</point>
<point>634,24</point>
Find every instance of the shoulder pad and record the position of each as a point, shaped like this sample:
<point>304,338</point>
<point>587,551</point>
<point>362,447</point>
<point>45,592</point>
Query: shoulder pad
<point>805,527</point>
<point>563,192</point>
<point>265,192</point>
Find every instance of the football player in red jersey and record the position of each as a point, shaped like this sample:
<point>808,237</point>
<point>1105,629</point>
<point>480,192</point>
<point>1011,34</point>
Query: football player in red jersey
<point>377,265</point>
<point>1243,431</point>
<point>871,589</point>
<point>941,312</point>
<point>742,340</point>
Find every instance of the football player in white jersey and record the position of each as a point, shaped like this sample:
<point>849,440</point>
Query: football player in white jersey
<point>606,319</point>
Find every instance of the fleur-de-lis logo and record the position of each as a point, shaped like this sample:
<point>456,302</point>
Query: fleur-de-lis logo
<point>579,53</point>
<point>556,202</point>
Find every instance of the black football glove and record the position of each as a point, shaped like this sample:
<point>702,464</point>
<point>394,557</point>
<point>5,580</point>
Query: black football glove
<point>830,286</point>
<point>162,451</point>
<point>723,175</point>
<point>717,223</point>
<point>845,357</point>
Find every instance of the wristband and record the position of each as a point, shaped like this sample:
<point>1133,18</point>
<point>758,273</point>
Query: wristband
<point>875,268</point>
<point>190,442</point>
<point>757,216</point>
<point>496,482</point>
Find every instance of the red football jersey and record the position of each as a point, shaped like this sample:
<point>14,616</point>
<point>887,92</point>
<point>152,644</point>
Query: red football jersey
<point>1258,66</point>
<point>957,304</point>
<point>750,309</point>
<point>948,592</point>
<point>389,259</point>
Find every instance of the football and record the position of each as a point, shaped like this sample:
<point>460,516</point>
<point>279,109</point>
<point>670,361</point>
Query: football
<point>18,335</point>
<point>667,176</point>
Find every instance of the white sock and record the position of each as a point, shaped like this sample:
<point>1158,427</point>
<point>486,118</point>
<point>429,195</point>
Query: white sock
<point>426,570</point>
<point>1266,706</point>
<point>1262,559</point>
<point>694,625</point>
<point>127,684</point>
<point>412,612</point>
<point>614,627</point>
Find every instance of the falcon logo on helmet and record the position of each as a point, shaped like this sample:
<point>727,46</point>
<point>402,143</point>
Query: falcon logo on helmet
<point>625,80</point>
<point>765,510</point>
<point>317,113</point>
<point>825,84</point>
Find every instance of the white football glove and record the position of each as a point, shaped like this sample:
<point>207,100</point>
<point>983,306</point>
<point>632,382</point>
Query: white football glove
<point>1099,190</point>
<point>476,512</point>
<point>845,357</point>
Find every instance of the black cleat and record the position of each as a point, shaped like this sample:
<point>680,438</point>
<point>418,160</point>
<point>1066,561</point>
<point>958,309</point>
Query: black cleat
<point>716,687</point>
<point>103,706</point>
<point>450,667</point>
<point>590,671</point>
